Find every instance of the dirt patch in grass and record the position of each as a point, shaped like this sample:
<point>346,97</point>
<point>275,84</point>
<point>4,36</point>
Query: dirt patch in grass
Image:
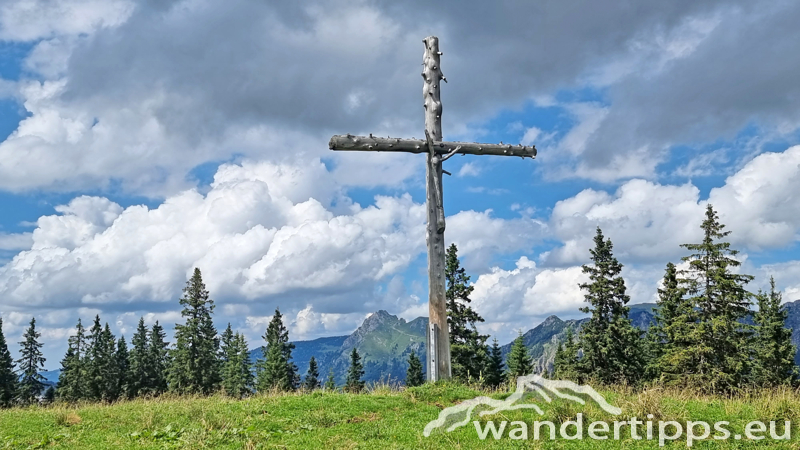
<point>365,418</point>
<point>67,419</point>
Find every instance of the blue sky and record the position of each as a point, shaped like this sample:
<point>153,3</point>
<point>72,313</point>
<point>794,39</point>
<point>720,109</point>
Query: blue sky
<point>136,145</point>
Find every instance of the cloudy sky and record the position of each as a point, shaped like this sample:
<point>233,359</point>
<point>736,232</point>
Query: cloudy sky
<point>139,140</point>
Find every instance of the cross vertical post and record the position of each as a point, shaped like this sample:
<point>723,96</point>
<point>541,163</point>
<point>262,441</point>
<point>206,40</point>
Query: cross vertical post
<point>438,335</point>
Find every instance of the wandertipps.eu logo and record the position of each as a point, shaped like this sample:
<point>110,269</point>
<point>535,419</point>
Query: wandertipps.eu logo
<point>457,416</point>
<point>635,428</point>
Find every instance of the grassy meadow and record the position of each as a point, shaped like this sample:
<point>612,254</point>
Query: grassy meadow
<point>383,418</point>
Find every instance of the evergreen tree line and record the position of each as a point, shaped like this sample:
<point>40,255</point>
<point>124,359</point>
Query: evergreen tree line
<point>701,337</point>
<point>99,367</point>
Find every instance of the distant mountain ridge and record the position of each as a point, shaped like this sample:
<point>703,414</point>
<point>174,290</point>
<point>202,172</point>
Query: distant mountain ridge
<point>543,339</point>
<point>382,337</point>
<point>384,341</point>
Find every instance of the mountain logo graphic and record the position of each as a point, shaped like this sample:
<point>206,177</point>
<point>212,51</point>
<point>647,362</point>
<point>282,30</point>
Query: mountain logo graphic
<point>459,415</point>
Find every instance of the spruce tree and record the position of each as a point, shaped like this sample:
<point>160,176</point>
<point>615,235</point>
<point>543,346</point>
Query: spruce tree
<point>102,370</point>
<point>93,361</point>
<point>225,345</point>
<point>72,379</point>
<point>494,374</point>
<point>311,381</point>
<point>467,345</point>
<point>194,368</point>
<point>227,358</point>
<point>245,365</point>
<point>566,358</point>
<point>30,363</point>
<point>354,384</point>
<point>67,376</point>
<point>122,359</point>
<point>330,383</point>
<point>237,378</point>
<point>669,338</point>
<point>414,375</point>
<point>612,347</point>
<point>276,369</point>
<point>519,362</point>
<point>139,371</point>
<point>720,343</point>
<point>8,379</point>
<point>110,369</point>
<point>157,361</point>
<point>774,352</point>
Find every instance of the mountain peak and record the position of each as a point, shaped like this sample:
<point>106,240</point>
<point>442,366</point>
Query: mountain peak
<point>376,319</point>
<point>550,321</point>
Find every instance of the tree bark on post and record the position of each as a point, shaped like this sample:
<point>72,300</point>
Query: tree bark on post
<point>438,333</point>
<point>444,149</point>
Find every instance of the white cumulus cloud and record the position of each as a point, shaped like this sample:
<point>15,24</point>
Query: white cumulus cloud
<point>260,231</point>
<point>648,221</point>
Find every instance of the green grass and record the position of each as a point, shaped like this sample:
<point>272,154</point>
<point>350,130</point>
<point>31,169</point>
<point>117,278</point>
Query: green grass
<point>382,419</point>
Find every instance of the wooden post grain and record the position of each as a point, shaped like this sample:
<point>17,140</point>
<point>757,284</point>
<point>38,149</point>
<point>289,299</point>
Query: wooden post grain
<point>438,362</point>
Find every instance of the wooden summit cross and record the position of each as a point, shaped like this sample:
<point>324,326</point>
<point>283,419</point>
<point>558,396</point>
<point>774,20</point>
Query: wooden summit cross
<point>438,336</point>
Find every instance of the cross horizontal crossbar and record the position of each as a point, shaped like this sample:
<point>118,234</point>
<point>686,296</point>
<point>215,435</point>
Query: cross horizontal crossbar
<point>370,143</point>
